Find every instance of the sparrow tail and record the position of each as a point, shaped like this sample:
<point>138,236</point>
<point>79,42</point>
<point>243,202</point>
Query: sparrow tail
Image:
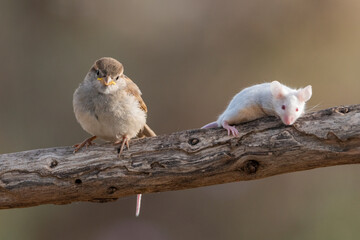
<point>146,132</point>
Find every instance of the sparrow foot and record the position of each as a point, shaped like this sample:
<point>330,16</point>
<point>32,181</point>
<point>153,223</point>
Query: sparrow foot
<point>124,141</point>
<point>230,129</point>
<point>86,142</point>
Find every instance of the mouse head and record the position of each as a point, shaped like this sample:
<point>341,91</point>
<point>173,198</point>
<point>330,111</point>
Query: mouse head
<point>106,75</point>
<point>289,104</point>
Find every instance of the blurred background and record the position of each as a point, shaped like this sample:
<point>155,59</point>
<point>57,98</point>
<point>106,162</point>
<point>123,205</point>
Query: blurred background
<point>189,58</point>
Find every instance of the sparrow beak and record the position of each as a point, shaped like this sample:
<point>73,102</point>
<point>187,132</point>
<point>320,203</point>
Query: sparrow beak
<point>106,81</point>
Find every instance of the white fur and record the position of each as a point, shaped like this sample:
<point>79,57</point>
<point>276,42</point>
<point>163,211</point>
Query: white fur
<point>266,99</point>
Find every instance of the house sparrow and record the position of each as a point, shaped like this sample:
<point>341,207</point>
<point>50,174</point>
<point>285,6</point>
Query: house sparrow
<point>108,105</point>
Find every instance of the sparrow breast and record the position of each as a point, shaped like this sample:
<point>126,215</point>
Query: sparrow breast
<point>109,116</point>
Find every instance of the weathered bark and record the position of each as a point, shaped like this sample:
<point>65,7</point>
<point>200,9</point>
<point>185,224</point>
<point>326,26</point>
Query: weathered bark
<point>188,159</point>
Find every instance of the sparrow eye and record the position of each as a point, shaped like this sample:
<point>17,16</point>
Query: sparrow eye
<point>117,78</point>
<point>97,72</point>
<point>297,109</point>
<point>283,107</point>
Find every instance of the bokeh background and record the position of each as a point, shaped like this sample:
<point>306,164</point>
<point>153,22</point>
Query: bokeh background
<point>189,58</point>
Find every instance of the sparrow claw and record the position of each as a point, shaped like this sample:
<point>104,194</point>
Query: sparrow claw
<point>124,141</point>
<point>127,144</point>
<point>87,142</point>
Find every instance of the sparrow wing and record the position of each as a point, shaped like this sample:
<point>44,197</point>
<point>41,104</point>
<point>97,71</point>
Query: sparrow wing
<point>134,90</point>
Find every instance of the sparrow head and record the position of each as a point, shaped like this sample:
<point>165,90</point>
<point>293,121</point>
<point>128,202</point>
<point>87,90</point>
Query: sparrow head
<point>106,74</point>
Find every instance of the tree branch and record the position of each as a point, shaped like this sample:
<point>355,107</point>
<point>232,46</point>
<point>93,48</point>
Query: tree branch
<point>181,160</point>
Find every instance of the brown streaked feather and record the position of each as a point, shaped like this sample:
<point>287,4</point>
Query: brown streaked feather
<point>134,90</point>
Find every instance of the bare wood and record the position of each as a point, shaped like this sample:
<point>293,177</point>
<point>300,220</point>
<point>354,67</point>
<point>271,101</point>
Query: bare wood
<point>182,160</point>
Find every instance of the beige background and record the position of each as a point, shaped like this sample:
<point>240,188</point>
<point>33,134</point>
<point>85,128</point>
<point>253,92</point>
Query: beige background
<point>189,58</point>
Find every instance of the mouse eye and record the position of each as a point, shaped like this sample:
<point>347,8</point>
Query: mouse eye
<point>283,107</point>
<point>297,109</point>
<point>117,78</point>
<point>97,72</point>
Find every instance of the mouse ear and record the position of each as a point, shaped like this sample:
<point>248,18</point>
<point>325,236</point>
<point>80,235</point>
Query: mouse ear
<point>277,89</point>
<point>305,94</point>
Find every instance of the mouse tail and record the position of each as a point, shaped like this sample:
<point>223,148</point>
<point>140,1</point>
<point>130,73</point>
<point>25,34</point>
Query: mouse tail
<point>138,204</point>
<point>210,125</point>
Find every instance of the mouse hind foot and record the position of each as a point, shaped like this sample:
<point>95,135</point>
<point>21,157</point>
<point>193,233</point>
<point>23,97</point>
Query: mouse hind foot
<point>230,129</point>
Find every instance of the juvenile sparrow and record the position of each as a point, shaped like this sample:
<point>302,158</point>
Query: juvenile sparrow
<point>108,105</point>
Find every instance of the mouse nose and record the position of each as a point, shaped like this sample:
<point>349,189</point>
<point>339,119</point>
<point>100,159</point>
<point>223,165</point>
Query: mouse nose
<point>288,120</point>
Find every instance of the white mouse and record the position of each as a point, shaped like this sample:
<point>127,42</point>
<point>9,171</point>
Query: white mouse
<point>266,99</point>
